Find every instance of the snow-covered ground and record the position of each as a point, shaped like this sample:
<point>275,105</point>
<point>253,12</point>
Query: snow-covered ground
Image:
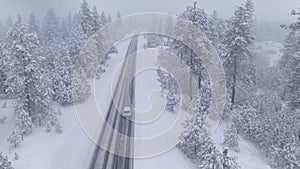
<point>48,150</point>
<point>249,156</point>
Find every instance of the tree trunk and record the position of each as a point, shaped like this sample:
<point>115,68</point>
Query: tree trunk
<point>234,83</point>
<point>191,76</point>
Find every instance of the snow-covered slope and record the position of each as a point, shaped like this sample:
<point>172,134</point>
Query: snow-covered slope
<point>49,150</point>
<point>249,156</point>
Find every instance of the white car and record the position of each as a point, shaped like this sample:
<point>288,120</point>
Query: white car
<point>126,112</point>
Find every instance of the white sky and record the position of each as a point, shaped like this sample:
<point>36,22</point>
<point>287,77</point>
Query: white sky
<point>272,10</point>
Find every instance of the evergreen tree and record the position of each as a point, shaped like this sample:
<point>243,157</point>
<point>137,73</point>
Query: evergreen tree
<point>63,88</point>
<point>290,63</point>
<point>239,57</point>
<point>65,27</point>
<point>217,28</point>
<point>24,121</point>
<point>3,66</point>
<point>51,27</point>
<point>198,17</point>
<point>4,163</point>
<point>96,23</point>
<point>103,19</point>
<point>230,162</point>
<point>14,139</point>
<point>27,78</point>
<point>231,138</point>
<point>208,155</point>
<point>33,25</point>
<point>51,40</point>
<point>86,18</point>
<point>190,141</point>
<point>77,39</point>
<point>81,87</point>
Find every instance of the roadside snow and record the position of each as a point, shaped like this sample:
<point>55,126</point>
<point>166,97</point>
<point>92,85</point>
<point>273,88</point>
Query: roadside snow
<point>146,83</point>
<point>249,156</point>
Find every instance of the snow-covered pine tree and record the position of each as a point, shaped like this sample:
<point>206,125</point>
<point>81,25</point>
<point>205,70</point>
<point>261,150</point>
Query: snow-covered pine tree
<point>75,44</point>
<point>2,66</point>
<point>96,23</point>
<point>198,17</point>
<point>290,154</point>
<point>64,28</point>
<point>61,50</point>
<point>53,122</point>
<point>33,25</point>
<point>208,156</point>
<point>50,27</point>
<point>51,42</point>
<point>86,18</point>
<point>27,80</point>
<point>217,29</point>
<point>63,88</point>
<point>4,163</point>
<point>245,120</point>
<point>77,38</point>
<point>238,54</point>
<point>81,87</point>
<point>290,63</point>
<point>24,121</point>
<point>231,138</point>
<point>14,139</point>
<point>230,162</point>
<point>170,87</point>
<point>190,140</point>
<point>103,19</point>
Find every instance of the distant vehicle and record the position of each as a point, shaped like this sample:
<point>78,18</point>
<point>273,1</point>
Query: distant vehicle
<point>126,112</point>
